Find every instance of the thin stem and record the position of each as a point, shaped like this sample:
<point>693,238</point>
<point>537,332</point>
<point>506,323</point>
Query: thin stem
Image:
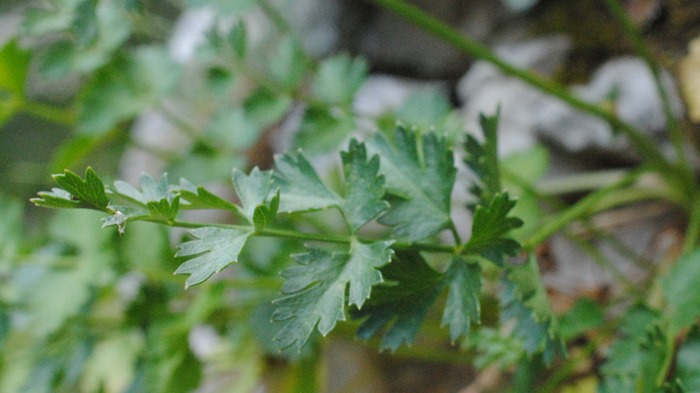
<point>54,114</point>
<point>305,236</point>
<point>633,34</point>
<point>582,208</point>
<point>693,230</point>
<point>454,37</point>
<point>455,234</point>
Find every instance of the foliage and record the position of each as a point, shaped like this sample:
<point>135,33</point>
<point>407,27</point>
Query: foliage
<point>286,249</point>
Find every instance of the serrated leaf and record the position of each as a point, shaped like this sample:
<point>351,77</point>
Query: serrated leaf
<point>681,293</point>
<point>164,209</point>
<point>155,197</point>
<point>419,171</point>
<point>365,187</point>
<point>482,159</point>
<point>253,190</point>
<point>524,299</point>
<point>211,250</point>
<point>90,190</point>
<point>462,306</point>
<point>314,293</point>
<point>57,197</point>
<point>490,227</point>
<point>300,187</point>
<point>688,362</point>
<point>400,305</point>
<point>198,197</point>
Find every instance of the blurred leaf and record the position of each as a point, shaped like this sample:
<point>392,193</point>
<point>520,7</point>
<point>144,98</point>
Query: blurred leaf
<point>14,64</point>
<point>225,6</point>
<point>323,129</point>
<point>585,316</point>
<point>111,367</point>
<point>96,31</point>
<point>126,88</point>
<point>266,108</point>
<point>680,286</point>
<point>688,362</point>
<point>287,66</point>
<point>524,300</point>
<point>233,129</point>
<point>424,109</point>
<point>338,79</point>
<point>637,356</point>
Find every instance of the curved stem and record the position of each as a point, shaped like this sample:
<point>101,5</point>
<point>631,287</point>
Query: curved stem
<point>634,36</point>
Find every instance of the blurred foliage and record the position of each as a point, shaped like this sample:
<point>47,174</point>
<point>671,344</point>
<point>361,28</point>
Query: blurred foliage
<point>101,82</point>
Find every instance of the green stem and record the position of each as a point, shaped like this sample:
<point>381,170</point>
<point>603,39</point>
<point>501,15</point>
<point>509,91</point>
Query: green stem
<point>305,236</point>
<point>634,36</point>
<point>582,208</point>
<point>454,37</point>
<point>693,229</point>
<point>54,114</point>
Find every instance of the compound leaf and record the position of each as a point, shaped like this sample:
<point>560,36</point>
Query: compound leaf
<point>365,187</point>
<point>400,305</point>
<point>462,306</point>
<point>490,226</point>
<point>300,187</point>
<point>211,250</point>
<point>420,173</point>
<point>314,293</point>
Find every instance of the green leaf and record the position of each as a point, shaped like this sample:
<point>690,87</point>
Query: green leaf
<point>338,79</point>
<point>482,159</point>
<point>300,187</point>
<point>265,214</point>
<point>365,187</point>
<point>253,190</point>
<point>198,197</point>
<point>126,88</point>
<point>585,316</point>
<point>155,200</point>
<point>14,65</point>
<point>637,356</point>
<point>211,250</point>
<point>681,293</point>
<point>524,299</point>
<point>57,198</point>
<point>400,305</point>
<point>424,109</point>
<point>490,227</point>
<point>462,306</point>
<point>87,193</point>
<point>419,172</point>
<point>314,293</point>
<point>323,129</point>
<point>688,362</point>
<point>287,66</point>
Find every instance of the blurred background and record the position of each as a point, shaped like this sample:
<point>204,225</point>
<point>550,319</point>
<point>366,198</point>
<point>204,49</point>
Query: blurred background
<point>195,88</point>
